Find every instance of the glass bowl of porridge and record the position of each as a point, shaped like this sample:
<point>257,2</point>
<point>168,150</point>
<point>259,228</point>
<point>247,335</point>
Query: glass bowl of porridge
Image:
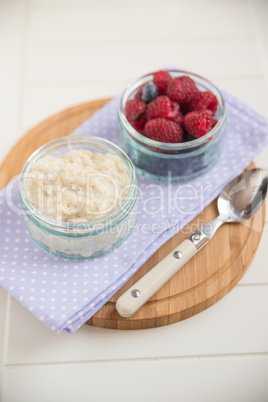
<point>79,196</point>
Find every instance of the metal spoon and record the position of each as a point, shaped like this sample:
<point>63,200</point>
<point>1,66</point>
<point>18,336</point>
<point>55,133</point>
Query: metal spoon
<point>238,201</point>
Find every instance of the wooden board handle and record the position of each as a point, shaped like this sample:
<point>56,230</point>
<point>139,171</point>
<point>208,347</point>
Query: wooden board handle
<point>136,296</point>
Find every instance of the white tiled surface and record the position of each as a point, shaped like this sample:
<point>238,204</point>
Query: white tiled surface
<point>57,53</point>
<point>177,379</point>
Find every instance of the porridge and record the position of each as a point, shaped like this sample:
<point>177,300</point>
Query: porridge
<point>77,186</point>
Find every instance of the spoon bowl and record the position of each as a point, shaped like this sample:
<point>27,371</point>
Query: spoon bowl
<point>244,195</point>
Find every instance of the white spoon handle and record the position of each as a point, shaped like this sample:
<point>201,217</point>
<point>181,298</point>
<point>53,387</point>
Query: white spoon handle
<point>135,297</point>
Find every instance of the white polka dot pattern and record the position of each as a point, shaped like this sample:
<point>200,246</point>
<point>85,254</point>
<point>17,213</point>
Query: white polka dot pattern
<point>64,294</point>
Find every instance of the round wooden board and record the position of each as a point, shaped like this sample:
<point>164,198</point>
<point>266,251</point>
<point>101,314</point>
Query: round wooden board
<point>204,280</point>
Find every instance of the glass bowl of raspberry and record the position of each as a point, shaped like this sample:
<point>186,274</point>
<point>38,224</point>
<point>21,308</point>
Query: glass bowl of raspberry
<point>171,124</point>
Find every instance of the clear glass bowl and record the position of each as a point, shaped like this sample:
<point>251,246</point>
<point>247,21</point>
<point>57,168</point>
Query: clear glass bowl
<point>81,240</point>
<point>165,161</point>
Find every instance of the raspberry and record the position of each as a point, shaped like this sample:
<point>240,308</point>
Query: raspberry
<point>181,89</point>
<point>203,101</point>
<point>162,107</point>
<point>149,92</point>
<point>134,108</point>
<point>161,80</point>
<point>163,130</point>
<point>198,123</point>
<point>179,118</point>
<point>140,123</point>
<point>175,108</point>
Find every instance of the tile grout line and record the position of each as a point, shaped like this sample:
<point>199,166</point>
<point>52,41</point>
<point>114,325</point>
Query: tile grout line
<point>24,46</point>
<point>259,284</point>
<point>131,41</point>
<point>6,330</point>
<point>142,359</point>
<point>5,343</point>
<point>104,83</point>
<point>182,3</point>
<point>25,18</point>
<point>259,40</point>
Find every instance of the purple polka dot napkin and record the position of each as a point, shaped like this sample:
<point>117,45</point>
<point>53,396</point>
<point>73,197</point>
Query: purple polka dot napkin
<point>64,294</point>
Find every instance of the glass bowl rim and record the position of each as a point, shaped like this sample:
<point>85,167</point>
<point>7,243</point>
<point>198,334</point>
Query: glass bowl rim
<point>141,139</point>
<point>108,220</point>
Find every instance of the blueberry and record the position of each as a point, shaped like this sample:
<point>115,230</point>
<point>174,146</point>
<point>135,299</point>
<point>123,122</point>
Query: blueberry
<point>187,137</point>
<point>149,92</point>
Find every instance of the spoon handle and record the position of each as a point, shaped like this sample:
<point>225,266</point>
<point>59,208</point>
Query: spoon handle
<point>136,296</point>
